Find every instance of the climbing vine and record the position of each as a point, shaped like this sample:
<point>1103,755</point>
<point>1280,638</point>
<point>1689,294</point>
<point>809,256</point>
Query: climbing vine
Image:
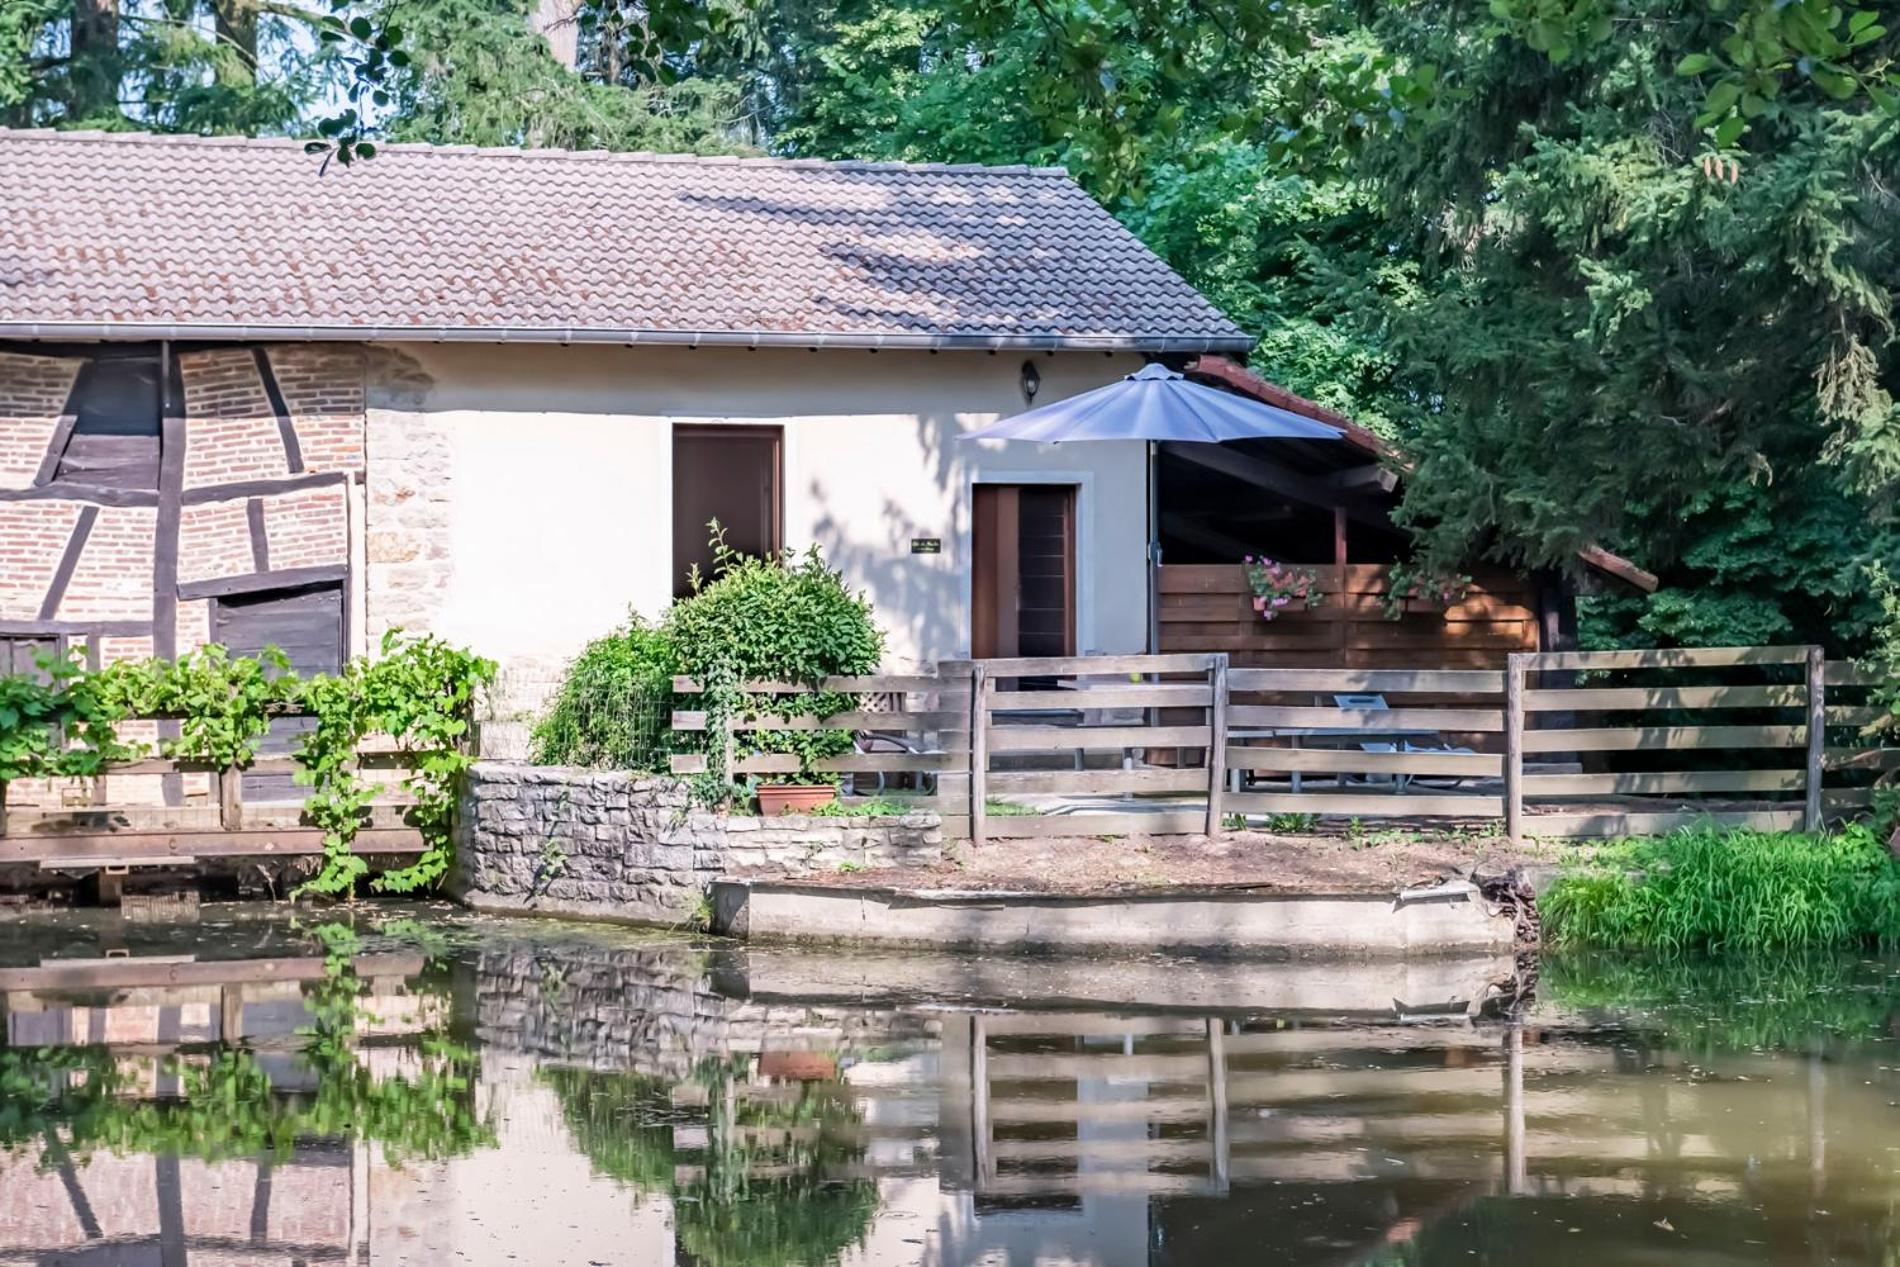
<point>418,696</point>
<point>419,693</point>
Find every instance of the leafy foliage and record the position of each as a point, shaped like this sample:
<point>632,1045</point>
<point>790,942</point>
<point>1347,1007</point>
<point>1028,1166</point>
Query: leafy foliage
<point>420,692</point>
<point>786,619</point>
<point>223,703</point>
<point>748,1202</point>
<point>56,724</point>
<point>1714,890</point>
<point>614,709</point>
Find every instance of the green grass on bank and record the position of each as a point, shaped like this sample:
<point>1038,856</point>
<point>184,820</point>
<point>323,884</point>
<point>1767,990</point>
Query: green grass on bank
<point>1708,889</point>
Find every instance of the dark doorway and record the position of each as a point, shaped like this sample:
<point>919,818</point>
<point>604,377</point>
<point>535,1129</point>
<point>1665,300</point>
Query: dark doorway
<point>1023,578</point>
<point>731,474</point>
<point>307,624</point>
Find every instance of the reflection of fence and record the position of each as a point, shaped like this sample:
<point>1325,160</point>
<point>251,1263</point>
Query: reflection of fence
<point>1560,744</point>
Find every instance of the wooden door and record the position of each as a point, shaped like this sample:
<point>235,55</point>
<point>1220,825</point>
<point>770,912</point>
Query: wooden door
<point>1023,571</point>
<point>307,625</point>
<point>731,474</point>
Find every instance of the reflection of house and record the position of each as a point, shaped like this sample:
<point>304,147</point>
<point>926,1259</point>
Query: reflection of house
<point>140,1032</point>
<point>499,395</point>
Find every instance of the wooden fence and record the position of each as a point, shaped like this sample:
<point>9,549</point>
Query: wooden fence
<point>166,812</point>
<point>1559,744</point>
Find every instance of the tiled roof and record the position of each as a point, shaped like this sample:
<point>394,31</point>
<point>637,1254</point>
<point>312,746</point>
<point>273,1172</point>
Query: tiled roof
<point>128,235</point>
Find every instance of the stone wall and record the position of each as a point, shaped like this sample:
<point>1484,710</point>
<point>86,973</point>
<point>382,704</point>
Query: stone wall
<point>625,846</point>
<point>654,1010</point>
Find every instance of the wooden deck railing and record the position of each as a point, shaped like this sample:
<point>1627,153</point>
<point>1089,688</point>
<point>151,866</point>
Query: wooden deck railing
<point>1564,744</point>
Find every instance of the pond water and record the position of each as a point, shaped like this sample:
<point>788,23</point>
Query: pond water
<point>418,1086</point>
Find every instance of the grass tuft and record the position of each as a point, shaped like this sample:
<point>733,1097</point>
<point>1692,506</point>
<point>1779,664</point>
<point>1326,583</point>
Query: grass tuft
<point>1708,889</point>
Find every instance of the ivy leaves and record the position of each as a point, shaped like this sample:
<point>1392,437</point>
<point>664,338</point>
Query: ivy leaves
<point>419,694</point>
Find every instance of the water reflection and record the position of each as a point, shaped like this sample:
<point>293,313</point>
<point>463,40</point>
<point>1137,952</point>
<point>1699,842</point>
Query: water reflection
<point>448,1090</point>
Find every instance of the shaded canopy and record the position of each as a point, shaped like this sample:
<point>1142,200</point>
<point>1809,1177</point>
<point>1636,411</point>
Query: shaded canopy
<point>1156,403</point>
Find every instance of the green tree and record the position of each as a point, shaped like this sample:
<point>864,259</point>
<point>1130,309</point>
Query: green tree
<point>478,74</point>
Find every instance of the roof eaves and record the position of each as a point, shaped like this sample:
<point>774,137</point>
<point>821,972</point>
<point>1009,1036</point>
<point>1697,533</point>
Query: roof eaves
<point>112,331</point>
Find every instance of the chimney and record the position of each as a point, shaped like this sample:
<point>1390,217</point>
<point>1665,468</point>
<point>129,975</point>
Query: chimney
<point>554,21</point>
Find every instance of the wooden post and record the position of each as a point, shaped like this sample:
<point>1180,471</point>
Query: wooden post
<point>1514,671</point>
<point>1217,743</point>
<point>980,687</point>
<point>231,798</point>
<point>1811,818</point>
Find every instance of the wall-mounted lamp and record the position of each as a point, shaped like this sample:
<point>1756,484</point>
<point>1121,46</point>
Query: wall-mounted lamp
<point>1032,382</point>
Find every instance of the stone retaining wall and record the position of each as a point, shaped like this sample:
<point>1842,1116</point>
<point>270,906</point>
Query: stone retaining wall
<point>624,846</point>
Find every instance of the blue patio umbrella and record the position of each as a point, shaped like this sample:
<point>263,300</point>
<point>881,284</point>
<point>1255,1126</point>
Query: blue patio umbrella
<point>1156,404</point>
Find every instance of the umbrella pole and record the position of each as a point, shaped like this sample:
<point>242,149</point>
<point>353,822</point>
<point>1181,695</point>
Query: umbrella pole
<point>1154,556</point>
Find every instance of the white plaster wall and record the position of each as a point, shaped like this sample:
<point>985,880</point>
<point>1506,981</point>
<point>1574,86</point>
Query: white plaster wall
<point>560,482</point>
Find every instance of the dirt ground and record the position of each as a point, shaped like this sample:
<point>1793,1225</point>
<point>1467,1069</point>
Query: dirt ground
<point>1373,861</point>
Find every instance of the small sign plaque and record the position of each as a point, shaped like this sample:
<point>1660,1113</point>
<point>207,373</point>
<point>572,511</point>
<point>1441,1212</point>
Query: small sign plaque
<point>926,545</point>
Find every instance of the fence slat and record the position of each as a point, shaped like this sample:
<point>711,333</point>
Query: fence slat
<point>1666,658</point>
<point>1094,738</point>
<point>1293,717</point>
<point>1847,673</point>
<point>1514,673</point>
<point>1147,695</point>
<point>1656,782</point>
<point>1373,804</point>
<point>1629,738</point>
<point>1102,782</point>
<point>1217,745</point>
<point>1353,681</point>
<point>1817,736</point>
<point>981,689</point>
<point>1353,761</point>
<point>853,721</point>
<point>1069,666</point>
<point>1617,698</point>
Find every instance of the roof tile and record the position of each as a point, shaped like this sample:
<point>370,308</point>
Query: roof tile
<point>124,231</point>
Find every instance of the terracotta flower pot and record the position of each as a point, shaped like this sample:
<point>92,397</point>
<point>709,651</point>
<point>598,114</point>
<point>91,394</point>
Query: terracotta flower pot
<point>799,1066</point>
<point>794,798</point>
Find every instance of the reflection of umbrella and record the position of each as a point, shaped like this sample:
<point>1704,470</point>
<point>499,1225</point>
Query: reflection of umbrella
<point>1154,404</point>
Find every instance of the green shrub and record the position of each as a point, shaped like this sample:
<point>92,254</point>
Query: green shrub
<point>1716,890</point>
<point>615,706</point>
<point>784,619</point>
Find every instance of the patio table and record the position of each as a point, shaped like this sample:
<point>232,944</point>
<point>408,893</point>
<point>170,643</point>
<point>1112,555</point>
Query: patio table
<point>1359,734</point>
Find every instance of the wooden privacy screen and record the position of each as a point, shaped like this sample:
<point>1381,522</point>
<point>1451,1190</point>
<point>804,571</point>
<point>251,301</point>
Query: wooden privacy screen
<point>1210,608</point>
<point>1564,744</point>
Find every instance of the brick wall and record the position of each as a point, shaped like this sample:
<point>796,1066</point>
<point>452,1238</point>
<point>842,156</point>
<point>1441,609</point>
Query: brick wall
<point>232,432</point>
<point>323,389</point>
<point>308,528</point>
<point>214,540</point>
<point>33,392</point>
<point>33,535</point>
<point>113,580</point>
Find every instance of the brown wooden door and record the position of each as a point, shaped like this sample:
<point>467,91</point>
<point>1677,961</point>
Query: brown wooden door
<point>731,474</point>
<point>1023,571</point>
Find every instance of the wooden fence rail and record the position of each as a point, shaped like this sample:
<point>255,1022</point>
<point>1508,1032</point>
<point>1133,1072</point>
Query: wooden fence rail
<point>1564,744</point>
<point>173,829</point>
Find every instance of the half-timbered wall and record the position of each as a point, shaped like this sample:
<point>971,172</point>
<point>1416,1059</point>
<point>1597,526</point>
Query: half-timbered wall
<point>256,491</point>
